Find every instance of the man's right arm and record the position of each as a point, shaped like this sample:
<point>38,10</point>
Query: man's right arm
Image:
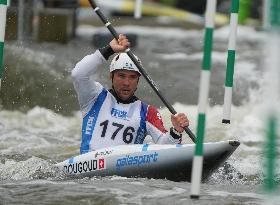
<point>86,88</point>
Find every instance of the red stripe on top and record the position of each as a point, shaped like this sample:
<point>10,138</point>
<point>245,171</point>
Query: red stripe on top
<point>154,117</point>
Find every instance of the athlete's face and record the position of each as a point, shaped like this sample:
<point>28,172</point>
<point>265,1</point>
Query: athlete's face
<point>125,83</point>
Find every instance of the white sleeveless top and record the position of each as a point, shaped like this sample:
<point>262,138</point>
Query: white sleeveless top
<point>110,123</point>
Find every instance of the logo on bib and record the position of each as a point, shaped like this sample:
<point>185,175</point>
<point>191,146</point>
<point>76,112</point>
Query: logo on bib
<point>119,114</point>
<point>89,125</point>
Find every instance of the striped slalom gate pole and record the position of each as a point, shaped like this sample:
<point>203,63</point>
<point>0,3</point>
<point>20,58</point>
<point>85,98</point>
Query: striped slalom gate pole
<point>265,10</point>
<point>270,151</point>
<point>203,98</point>
<point>273,15</point>
<point>270,184</point>
<point>230,61</point>
<point>138,9</point>
<point>3,12</point>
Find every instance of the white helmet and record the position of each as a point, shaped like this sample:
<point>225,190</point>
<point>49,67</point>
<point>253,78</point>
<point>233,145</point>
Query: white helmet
<point>123,61</point>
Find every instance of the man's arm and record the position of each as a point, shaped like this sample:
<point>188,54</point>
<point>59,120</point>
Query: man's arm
<point>157,131</point>
<point>86,88</point>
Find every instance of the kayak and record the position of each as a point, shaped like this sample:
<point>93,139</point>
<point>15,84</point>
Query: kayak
<point>172,162</point>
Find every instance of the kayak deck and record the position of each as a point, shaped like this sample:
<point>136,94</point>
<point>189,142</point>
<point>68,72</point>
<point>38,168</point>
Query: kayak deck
<point>173,162</point>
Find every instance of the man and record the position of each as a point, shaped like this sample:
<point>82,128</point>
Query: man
<point>116,116</point>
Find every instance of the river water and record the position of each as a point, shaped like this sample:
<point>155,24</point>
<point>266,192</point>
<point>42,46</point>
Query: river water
<point>40,121</point>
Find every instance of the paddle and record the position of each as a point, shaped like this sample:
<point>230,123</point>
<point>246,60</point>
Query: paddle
<point>140,68</point>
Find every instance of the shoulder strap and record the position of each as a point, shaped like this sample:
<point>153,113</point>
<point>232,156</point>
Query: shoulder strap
<point>89,121</point>
<point>141,132</point>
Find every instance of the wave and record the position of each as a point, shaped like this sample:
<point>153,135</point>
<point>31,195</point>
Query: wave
<point>43,133</point>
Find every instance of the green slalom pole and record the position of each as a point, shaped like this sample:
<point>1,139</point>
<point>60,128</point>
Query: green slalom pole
<point>3,12</point>
<point>275,15</point>
<point>230,61</point>
<point>270,184</point>
<point>273,10</point>
<point>270,151</point>
<point>203,98</point>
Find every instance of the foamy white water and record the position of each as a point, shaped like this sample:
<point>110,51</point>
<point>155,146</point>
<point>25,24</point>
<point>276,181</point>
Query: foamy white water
<point>35,139</point>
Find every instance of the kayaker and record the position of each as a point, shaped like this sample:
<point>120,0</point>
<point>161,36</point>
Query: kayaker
<point>116,116</point>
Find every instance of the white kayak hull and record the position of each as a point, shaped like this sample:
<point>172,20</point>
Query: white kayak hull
<point>173,162</point>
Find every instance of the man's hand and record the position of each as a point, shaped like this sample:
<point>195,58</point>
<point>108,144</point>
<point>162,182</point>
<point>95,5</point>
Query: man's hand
<point>120,45</point>
<point>179,121</point>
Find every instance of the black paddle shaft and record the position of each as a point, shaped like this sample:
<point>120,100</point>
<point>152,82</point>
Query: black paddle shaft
<point>138,65</point>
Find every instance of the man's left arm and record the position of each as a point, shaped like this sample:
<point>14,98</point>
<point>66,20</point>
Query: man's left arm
<point>157,131</point>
